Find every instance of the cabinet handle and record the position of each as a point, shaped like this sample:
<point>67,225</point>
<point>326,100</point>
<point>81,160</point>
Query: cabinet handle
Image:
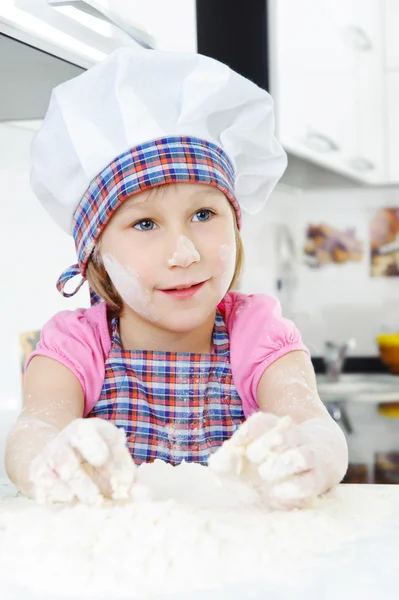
<point>320,142</point>
<point>359,39</point>
<point>361,164</point>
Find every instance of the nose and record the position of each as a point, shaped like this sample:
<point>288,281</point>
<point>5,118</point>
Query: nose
<point>185,254</point>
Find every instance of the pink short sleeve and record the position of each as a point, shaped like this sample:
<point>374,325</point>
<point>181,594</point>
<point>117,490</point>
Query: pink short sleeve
<point>80,341</point>
<point>259,335</point>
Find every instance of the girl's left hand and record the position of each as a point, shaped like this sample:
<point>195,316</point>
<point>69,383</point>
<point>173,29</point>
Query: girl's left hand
<point>273,455</point>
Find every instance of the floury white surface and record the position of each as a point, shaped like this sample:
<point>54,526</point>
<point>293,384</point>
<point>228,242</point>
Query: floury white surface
<point>200,534</point>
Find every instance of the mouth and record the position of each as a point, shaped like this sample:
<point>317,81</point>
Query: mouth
<point>185,286</point>
<point>184,291</point>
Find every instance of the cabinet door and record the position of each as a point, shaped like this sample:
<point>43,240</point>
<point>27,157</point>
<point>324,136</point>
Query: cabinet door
<point>328,83</point>
<point>392,89</point>
<point>316,84</point>
<point>363,32</point>
<point>391,37</point>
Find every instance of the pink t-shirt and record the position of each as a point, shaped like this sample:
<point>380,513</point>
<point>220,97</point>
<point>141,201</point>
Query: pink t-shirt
<point>259,335</point>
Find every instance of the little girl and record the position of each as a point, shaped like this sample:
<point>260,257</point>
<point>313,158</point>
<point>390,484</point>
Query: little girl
<point>147,159</point>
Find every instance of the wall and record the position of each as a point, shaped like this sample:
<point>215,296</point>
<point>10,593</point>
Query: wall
<point>335,302</point>
<point>33,252</point>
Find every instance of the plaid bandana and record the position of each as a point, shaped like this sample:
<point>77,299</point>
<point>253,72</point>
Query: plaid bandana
<point>166,160</point>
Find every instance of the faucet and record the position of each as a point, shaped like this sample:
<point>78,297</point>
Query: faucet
<point>334,357</point>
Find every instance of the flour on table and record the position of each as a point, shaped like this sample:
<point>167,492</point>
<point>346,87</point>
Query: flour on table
<point>197,532</point>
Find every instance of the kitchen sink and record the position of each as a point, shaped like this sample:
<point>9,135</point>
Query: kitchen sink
<point>360,387</point>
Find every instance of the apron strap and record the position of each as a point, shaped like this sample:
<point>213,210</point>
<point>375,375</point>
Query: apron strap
<point>66,276</point>
<point>69,274</point>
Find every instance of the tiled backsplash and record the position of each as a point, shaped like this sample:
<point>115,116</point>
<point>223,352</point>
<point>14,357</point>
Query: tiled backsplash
<point>337,301</point>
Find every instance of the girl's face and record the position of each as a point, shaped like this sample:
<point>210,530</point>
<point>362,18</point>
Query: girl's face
<point>170,253</point>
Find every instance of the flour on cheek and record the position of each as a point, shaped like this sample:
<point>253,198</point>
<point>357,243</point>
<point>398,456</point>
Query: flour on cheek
<point>227,255</point>
<point>129,287</point>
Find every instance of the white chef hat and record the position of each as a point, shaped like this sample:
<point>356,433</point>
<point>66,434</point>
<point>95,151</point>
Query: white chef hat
<point>144,118</point>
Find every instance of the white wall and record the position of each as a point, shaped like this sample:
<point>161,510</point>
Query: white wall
<point>33,253</point>
<point>335,302</point>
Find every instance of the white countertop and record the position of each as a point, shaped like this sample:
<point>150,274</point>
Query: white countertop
<point>373,388</point>
<point>364,568</point>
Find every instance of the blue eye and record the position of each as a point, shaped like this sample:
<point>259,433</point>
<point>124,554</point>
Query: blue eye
<point>203,215</point>
<point>144,225</point>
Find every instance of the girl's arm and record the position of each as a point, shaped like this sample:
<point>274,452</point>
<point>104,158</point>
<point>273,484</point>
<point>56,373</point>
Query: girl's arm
<point>288,387</point>
<point>53,454</point>
<point>291,450</point>
<point>53,398</point>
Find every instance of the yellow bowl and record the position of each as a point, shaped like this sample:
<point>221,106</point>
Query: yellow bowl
<point>388,339</point>
<point>389,409</point>
<point>389,355</point>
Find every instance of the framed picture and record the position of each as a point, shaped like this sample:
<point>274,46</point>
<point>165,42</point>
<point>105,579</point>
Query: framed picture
<point>384,243</point>
<point>326,244</point>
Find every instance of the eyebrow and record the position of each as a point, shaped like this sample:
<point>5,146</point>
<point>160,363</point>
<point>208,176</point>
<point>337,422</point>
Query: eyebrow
<point>129,203</point>
<point>134,201</point>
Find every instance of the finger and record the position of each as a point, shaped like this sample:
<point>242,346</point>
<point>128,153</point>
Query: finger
<point>279,466</point>
<point>262,448</point>
<point>47,486</point>
<point>298,491</point>
<point>257,424</point>
<point>89,443</point>
<point>119,468</point>
<point>67,464</point>
<point>101,477</point>
<point>284,435</point>
<point>227,459</point>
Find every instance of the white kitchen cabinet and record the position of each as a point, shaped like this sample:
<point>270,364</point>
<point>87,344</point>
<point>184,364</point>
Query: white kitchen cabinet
<point>390,32</point>
<point>329,65</point>
<point>392,113</point>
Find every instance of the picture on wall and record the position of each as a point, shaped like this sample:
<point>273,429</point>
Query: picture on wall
<point>326,244</point>
<point>384,243</point>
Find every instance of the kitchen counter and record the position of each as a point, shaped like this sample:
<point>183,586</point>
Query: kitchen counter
<point>360,387</point>
<point>364,567</point>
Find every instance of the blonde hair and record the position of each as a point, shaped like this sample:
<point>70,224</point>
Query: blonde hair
<point>101,283</point>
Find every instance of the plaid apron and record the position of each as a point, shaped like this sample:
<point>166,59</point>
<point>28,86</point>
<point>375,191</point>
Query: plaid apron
<point>174,406</point>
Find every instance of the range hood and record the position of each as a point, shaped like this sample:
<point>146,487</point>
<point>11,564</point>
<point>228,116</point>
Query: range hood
<point>27,76</point>
<point>46,42</point>
<point>81,32</point>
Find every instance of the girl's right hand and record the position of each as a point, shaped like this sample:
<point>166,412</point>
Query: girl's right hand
<point>87,461</point>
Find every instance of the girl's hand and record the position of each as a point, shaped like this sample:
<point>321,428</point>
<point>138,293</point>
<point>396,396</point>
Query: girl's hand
<point>272,454</point>
<point>87,461</point>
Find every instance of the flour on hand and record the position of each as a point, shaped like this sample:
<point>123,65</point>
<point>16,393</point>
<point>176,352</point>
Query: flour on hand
<point>87,460</point>
<point>271,455</point>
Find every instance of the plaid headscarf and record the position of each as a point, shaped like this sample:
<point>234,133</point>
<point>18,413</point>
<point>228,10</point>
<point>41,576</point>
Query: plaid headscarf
<point>166,160</point>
